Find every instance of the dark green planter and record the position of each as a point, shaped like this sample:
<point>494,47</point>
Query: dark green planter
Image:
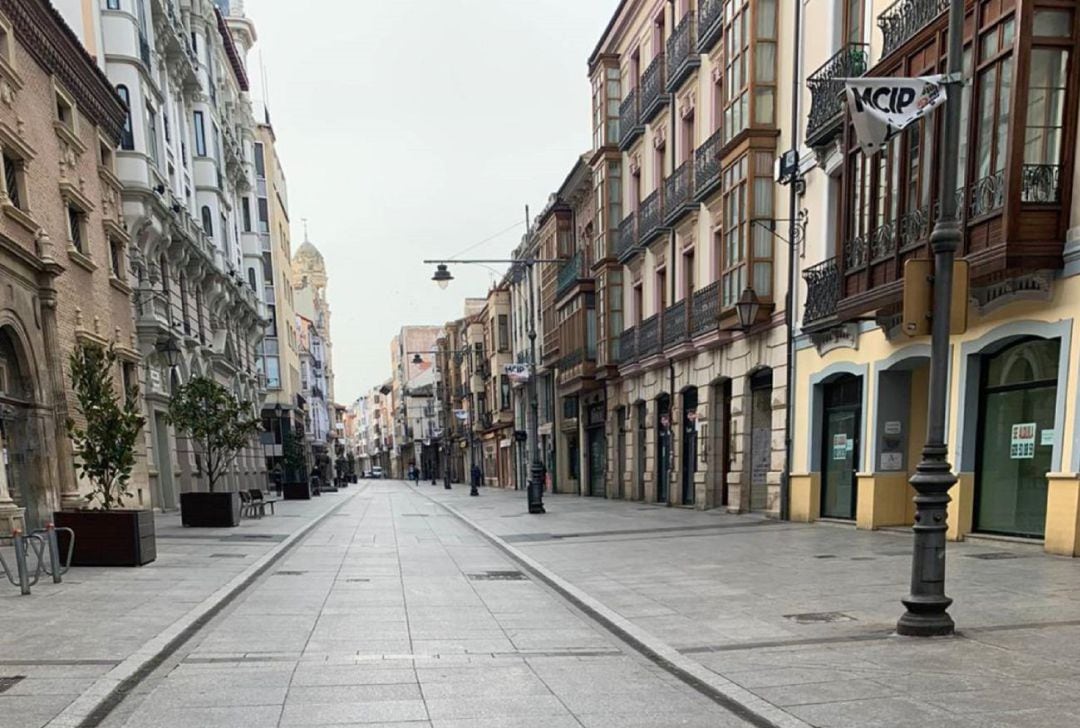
<point>210,510</point>
<point>108,538</point>
<point>296,491</point>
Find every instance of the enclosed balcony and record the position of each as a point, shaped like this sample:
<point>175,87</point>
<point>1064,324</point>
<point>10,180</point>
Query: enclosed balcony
<point>652,218</point>
<point>826,92</point>
<point>649,337</point>
<point>626,244</point>
<point>705,309</point>
<point>902,20</point>
<point>707,166</point>
<point>675,330</point>
<point>679,193</point>
<point>710,24</point>
<point>822,291</point>
<point>630,126</point>
<point>654,95</point>
<point>682,52</point>
<point>571,272</point>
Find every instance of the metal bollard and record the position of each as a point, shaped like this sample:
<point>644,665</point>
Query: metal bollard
<point>54,553</point>
<point>20,561</point>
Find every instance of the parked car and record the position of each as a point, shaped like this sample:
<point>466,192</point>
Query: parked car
<point>376,472</point>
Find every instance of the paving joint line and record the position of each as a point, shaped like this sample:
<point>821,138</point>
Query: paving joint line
<point>739,701</point>
<point>94,704</point>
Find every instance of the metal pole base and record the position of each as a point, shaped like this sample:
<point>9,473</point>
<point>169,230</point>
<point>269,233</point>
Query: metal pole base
<point>536,488</point>
<point>934,623</point>
<point>473,490</point>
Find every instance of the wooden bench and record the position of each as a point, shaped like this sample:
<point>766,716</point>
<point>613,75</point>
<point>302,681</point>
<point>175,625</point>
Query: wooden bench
<point>259,499</point>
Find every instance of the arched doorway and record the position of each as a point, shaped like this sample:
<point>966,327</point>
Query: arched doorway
<point>1017,398</point>
<point>663,447</point>
<point>760,438</point>
<point>719,450</point>
<point>842,422</point>
<point>689,443</point>
<point>642,421</point>
<point>22,432</point>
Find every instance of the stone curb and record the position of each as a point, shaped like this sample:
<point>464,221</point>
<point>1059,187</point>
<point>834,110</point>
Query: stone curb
<point>95,703</point>
<point>740,701</point>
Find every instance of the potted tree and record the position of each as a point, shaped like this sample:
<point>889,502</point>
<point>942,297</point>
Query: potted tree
<point>297,486</point>
<point>106,533</point>
<point>219,426</point>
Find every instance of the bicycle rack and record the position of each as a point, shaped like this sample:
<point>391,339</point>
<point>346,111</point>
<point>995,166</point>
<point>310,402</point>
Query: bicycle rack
<point>37,542</point>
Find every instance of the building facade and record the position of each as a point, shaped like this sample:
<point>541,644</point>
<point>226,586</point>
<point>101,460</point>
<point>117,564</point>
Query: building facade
<point>494,407</point>
<point>315,356</point>
<point>63,258</point>
<point>862,365</point>
<point>415,414</point>
<point>686,128</point>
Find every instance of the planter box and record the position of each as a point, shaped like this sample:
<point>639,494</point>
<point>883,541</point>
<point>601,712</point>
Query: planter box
<point>108,538</point>
<point>210,510</point>
<point>296,491</point>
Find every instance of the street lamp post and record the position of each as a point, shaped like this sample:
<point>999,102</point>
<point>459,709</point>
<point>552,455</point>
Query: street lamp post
<point>443,277</point>
<point>927,605</point>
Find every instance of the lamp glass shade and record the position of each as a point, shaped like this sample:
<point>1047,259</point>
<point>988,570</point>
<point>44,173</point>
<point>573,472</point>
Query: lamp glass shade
<point>747,307</point>
<point>442,276</point>
<point>417,360</point>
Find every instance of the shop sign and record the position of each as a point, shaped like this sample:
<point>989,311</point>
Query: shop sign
<point>1022,442</point>
<point>892,461</point>
<point>517,373</point>
<point>840,446</point>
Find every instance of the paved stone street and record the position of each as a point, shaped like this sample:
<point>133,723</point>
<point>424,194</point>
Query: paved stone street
<point>392,611</point>
<point>801,615</point>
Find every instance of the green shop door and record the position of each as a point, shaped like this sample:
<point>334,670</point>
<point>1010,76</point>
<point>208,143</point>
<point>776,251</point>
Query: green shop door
<point>1016,438</point>
<point>840,446</point>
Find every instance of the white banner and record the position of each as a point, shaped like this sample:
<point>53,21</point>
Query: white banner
<point>882,107</point>
<point>516,372</point>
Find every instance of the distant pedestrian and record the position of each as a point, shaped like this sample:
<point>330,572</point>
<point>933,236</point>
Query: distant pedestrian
<point>414,473</point>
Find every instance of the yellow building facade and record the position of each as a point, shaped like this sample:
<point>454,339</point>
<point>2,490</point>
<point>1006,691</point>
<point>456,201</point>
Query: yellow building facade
<point>861,381</point>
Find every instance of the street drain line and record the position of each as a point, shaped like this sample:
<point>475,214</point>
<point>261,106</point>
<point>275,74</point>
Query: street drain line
<point>105,705</point>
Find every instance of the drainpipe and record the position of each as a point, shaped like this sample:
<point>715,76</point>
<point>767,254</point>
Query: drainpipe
<point>789,313</point>
<point>671,266</point>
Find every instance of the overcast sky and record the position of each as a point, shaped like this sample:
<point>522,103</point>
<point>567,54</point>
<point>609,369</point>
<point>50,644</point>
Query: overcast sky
<point>412,129</point>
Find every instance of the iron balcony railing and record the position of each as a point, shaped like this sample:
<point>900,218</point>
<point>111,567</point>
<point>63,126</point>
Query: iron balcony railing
<point>652,217</point>
<point>822,290</point>
<point>628,345</point>
<point>710,24</point>
<point>987,195</point>
<point>674,329</point>
<point>630,126</point>
<point>626,245</point>
<point>653,95</point>
<point>826,89</point>
<point>649,338</point>
<point>1040,183</point>
<point>569,272</point>
<point>682,52</point>
<point>904,19</point>
<point>679,192</point>
<point>705,309</point>
<point>707,165</point>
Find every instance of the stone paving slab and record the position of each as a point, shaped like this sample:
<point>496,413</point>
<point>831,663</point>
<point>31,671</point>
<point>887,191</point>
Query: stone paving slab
<point>66,638</point>
<point>802,615</point>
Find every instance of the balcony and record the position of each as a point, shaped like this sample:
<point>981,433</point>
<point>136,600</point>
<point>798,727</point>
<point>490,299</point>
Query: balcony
<point>707,166</point>
<point>679,193</point>
<point>682,52</point>
<point>626,245</point>
<point>649,338</point>
<point>652,218</point>
<point>710,24</point>
<point>705,309</point>
<point>653,95</point>
<point>822,291</point>
<point>1040,183</point>
<point>674,330</point>
<point>630,126</point>
<point>902,20</point>
<point>628,345</point>
<point>826,92</point>
<point>569,273</point>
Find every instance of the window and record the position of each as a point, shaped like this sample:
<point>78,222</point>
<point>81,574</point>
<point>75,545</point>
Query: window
<point>606,97</point>
<point>129,377</point>
<point>245,210</point>
<point>741,44</point>
<point>116,259</point>
<point>638,309</point>
<point>264,215</point>
<point>994,88</point>
<point>165,126</point>
<point>251,279</point>
<point>504,332</point>
<point>854,17</point>
<point>151,134</point>
<point>688,274</point>
<point>199,315</point>
<point>1044,129</point>
<point>105,154</point>
<point>207,221</point>
<point>112,4</point>
<point>613,310</point>
<point>273,372</point>
<point>736,77</point>
<point>65,110</point>
<point>127,138</point>
<point>14,183</point>
<point>184,303</point>
<point>200,134</point>
<point>260,160</point>
<point>733,250</point>
<point>661,290</point>
<point>504,392</point>
<point>77,228</point>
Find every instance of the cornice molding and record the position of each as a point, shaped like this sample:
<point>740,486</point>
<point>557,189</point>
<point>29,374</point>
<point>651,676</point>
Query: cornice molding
<point>41,30</point>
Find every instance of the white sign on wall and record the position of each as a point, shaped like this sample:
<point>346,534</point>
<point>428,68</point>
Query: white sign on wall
<point>1022,442</point>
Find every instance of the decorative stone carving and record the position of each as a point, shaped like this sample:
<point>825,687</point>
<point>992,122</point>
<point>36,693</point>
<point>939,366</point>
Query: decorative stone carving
<point>687,104</point>
<point>635,164</point>
<point>1027,287</point>
<point>659,139</point>
<point>844,336</point>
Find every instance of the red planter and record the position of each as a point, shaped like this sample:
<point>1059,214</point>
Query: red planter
<point>109,538</point>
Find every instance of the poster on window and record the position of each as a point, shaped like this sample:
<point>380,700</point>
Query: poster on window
<point>840,447</point>
<point>1022,442</point>
<point>882,107</point>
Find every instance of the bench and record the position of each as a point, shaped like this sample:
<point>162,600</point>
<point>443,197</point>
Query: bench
<point>259,499</point>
